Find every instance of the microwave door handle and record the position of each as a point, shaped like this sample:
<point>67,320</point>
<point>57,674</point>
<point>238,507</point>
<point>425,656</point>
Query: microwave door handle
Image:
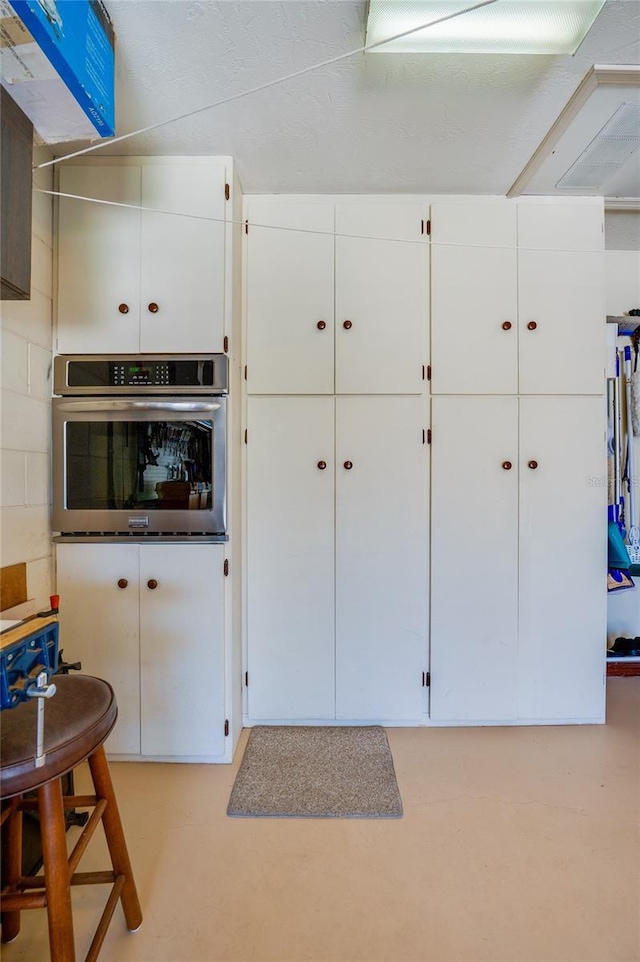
<point>177,407</point>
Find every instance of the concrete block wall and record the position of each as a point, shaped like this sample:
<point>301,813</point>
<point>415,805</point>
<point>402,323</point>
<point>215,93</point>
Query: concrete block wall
<point>25,408</point>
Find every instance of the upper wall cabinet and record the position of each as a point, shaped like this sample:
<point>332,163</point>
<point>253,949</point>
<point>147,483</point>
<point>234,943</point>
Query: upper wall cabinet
<point>133,280</point>
<point>345,314</point>
<point>517,303</point>
<point>290,328</point>
<point>16,144</point>
<point>561,305</point>
<point>382,287</point>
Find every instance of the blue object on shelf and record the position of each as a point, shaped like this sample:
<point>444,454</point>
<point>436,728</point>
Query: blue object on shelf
<point>22,662</point>
<point>618,580</point>
<point>618,554</point>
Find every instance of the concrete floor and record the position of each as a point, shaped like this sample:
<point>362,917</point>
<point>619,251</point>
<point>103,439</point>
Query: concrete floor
<point>516,844</point>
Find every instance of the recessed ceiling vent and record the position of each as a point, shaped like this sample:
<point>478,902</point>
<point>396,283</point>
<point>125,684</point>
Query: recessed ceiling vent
<point>608,151</point>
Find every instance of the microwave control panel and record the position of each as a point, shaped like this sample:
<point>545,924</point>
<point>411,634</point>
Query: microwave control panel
<point>149,375</point>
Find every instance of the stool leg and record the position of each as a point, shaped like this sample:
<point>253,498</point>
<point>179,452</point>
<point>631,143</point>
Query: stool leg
<point>115,838</point>
<point>56,872</point>
<point>11,866</point>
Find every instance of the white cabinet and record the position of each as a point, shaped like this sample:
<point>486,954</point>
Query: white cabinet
<point>474,558</point>
<point>381,558</point>
<point>382,288</point>
<point>474,299</point>
<point>150,620</point>
<point>563,558</point>
<point>561,298</point>
<point>100,625</point>
<point>345,314</point>
<point>290,331</point>
<point>290,557</point>
<point>517,298</point>
<point>99,260</point>
<point>337,499</point>
<point>518,556</point>
<point>132,280</point>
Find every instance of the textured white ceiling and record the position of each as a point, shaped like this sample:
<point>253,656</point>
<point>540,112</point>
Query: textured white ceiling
<point>376,123</point>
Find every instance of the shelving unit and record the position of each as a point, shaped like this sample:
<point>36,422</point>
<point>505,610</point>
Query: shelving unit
<point>625,667</point>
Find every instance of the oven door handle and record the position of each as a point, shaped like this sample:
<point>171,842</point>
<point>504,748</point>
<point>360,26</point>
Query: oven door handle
<point>185,407</point>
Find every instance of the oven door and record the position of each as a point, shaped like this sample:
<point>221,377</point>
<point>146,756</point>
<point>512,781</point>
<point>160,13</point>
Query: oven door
<point>142,465</point>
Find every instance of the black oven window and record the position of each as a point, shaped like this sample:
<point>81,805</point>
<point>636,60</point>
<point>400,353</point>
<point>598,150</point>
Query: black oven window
<point>156,465</point>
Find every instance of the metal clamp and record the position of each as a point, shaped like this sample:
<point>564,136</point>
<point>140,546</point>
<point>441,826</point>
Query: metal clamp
<point>41,691</point>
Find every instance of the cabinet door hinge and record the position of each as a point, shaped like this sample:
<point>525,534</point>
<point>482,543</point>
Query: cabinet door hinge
<point>426,679</point>
<point>246,227</point>
<point>429,435</point>
<point>246,679</point>
<point>428,228</point>
<point>225,344</point>
<point>226,727</point>
<point>226,567</point>
<point>246,435</point>
<point>227,192</point>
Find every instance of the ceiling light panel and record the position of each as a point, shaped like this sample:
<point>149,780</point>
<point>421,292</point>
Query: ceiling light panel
<point>608,151</point>
<point>507,26</point>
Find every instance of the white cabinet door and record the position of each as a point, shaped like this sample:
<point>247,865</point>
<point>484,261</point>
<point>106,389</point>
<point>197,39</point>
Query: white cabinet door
<point>182,258</point>
<point>563,558</point>
<point>99,625</point>
<point>381,558</point>
<point>99,261</point>
<point>474,334</point>
<point>562,322</point>
<point>290,558</point>
<point>182,649</point>
<point>290,281</point>
<point>474,559</point>
<point>381,298</point>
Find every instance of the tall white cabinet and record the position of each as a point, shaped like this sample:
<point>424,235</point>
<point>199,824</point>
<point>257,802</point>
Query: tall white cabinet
<point>518,539</point>
<point>158,271</point>
<point>425,551</point>
<point>337,461</point>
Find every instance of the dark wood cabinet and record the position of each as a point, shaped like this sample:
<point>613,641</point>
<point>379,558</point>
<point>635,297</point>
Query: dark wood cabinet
<point>15,206</point>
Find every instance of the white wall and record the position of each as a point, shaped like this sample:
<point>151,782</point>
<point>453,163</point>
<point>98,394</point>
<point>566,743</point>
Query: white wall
<point>25,399</point>
<point>622,230</point>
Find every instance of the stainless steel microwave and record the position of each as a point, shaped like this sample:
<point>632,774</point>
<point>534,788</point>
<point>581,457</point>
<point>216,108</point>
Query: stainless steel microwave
<point>139,445</point>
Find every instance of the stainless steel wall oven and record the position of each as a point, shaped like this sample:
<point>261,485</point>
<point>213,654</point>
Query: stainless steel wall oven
<point>139,446</point>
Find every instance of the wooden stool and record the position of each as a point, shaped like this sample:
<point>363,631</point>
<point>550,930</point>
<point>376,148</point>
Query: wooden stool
<point>78,719</point>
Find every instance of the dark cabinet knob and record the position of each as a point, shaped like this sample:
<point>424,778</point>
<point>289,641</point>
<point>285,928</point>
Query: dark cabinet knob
<point>321,325</point>
<point>348,465</point>
<point>123,308</point>
<point>507,465</point>
<point>122,583</point>
<point>152,583</point>
<point>347,325</point>
<point>153,308</point>
<point>532,325</point>
<point>507,326</point>
<point>533,465</point>
<point>322,465</point>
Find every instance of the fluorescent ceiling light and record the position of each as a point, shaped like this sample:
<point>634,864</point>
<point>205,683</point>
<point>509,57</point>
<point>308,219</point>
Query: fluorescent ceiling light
<point>608,151</point>
<point>508,26</point>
